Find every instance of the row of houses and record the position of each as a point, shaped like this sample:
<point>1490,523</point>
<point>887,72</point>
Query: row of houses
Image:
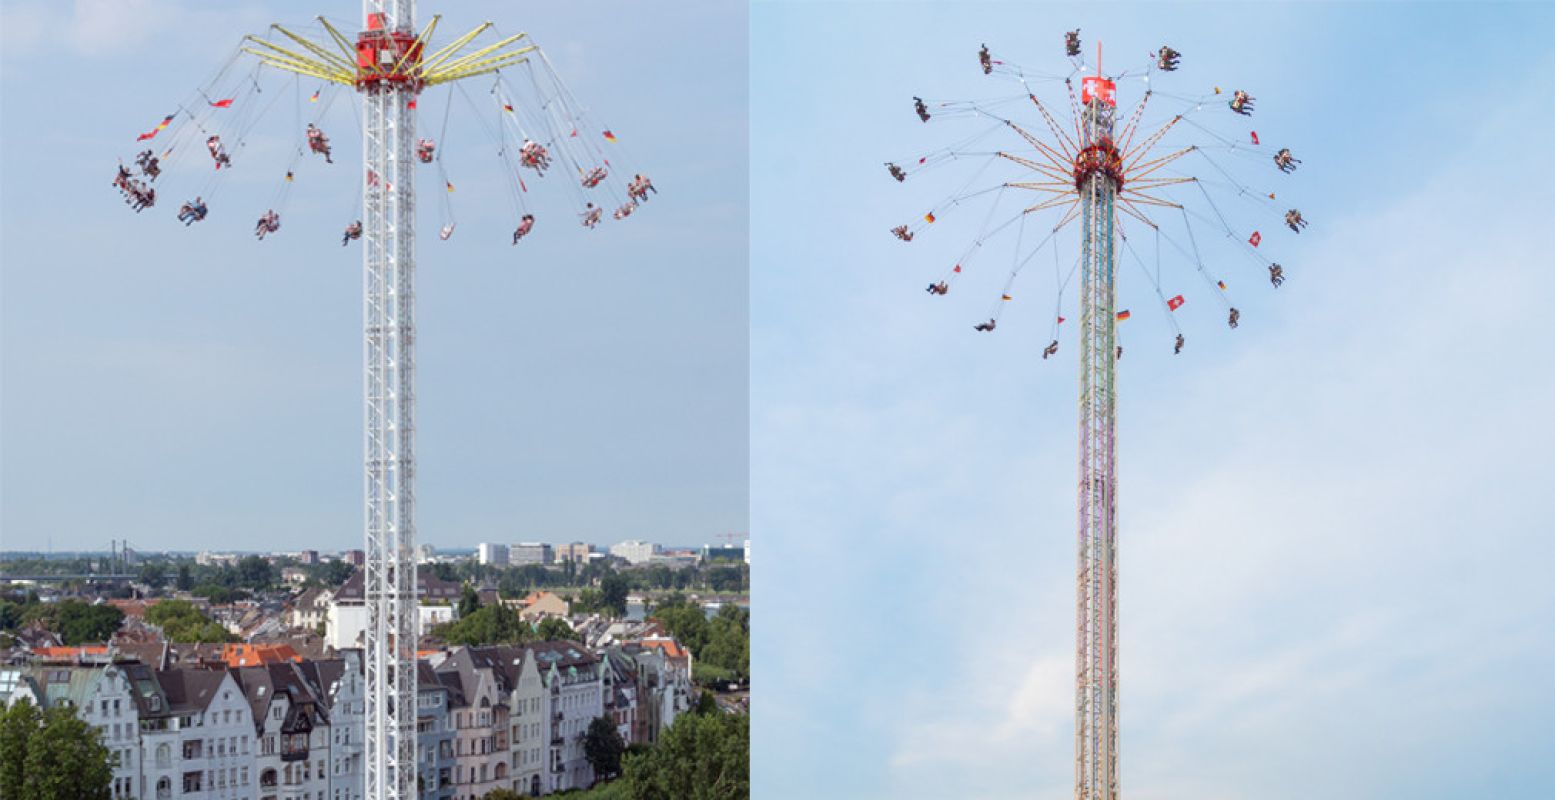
<point>292,728</point>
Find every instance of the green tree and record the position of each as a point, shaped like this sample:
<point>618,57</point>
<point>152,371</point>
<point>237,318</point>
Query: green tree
<point>603,746</point>
<point>10,615</point>
<point>686,622</point>
<point>181,621</point>
<point>185,581</point>
<point>61,757</point>
<point>153,575</point>
<point>613,590</point>
<point>553,629</point>
<point>335,573</point>
<point>255,572</point>
<point>17,724</point>
<point>700,757</point>
<point>469,601</point>
<point>83,622</point>
<point>490,625</point>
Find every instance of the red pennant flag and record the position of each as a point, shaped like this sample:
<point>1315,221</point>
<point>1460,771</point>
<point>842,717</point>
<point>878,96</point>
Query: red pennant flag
<point>508,107</point>
<point>1060,320</point>
<point>921,160</point>
<point>929,217</point>
<point>1255,238</point>
<point>412,102</point>
<point>958,268</point>
<point>1175,303</point>
<point>522,186</point>
<point>574,134</point>
<point>227,103</point>
<point>1255,137</point>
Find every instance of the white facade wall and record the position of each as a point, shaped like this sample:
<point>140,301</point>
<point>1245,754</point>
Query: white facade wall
<point>489,553</point>
<point>635,552</point>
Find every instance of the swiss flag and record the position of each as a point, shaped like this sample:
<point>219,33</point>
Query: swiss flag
<point>1175,303</point>
<point>1255,238</point>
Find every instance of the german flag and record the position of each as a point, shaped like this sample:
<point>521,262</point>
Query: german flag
<point>1007,297</point>
<point>610,137</point>
<point>929,217</point>
<point>1123,315</point>
<point>161,126</point>
<point>1221,284</point>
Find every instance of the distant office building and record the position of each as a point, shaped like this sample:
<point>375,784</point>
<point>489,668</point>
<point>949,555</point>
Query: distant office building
<point>634,551</point>
<point>355,558</point>
<point>493,554</point>
<point>529,553</point>
<point>713,552</point>
<point>308,557</point>
<point>425,553</point>
<point>577,551</point>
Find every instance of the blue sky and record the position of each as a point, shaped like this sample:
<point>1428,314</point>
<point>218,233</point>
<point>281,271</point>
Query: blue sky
<point>1335,529</point>
<point>189,389</point>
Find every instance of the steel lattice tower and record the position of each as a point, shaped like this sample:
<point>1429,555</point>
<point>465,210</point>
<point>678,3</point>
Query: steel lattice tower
<point>388,64</point>
<point>389,405</point>
<point>1096,625</point>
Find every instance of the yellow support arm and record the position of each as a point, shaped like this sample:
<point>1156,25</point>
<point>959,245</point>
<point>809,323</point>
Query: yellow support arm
<point>431,62</point>
<point>421,41</point>
<point>482,67</point>
<point>431,71</point>
<point>328,57</point>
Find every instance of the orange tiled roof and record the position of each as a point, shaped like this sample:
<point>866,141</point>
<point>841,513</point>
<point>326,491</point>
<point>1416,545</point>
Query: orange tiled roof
<point>73,652</point>
<point>253,655</point>
<point>670,647</point>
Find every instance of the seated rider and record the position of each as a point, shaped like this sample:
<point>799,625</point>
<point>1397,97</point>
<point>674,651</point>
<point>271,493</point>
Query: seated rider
<point>1241,103</point>
<point>625,210</point>
<point>591,215</point>
<point>1166,58</point>
<point>1118,356</point>
<point>1276,275</point>
<point>318,142</point>
<point>902,233</point>
<point>1072,43</point>
<point>985,326</point>
<point>1050,350</point>
<point>1177,347</point>
<point>525,224</point>
<point>1233,318</point>
<point>447,231</point>
<point>218,152</point>
<point>269,222</point>
<point>939,288</point>
<point>1285,161</point>
<point>1294,221</point>
<point>923,110</point>
<point>896,172</point>
<point>424,150</point>
<point>985,59</point>
<point>594,177</point>
<point>353,231</point>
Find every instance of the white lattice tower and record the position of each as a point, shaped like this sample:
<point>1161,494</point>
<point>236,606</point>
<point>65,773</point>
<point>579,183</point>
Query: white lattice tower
<point>389,403</point>
<point>1098,179</point>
